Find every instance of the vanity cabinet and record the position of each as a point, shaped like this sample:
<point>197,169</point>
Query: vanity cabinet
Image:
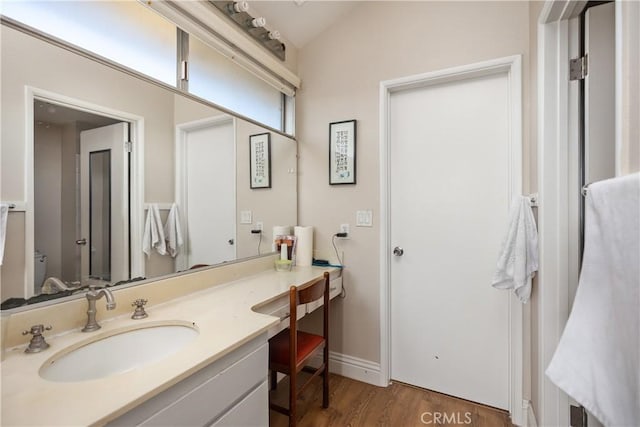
<point>231,391</point>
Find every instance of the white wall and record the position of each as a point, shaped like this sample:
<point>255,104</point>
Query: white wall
<point>341,71</point>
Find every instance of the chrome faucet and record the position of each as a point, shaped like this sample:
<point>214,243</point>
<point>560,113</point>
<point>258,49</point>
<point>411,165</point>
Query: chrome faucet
<point>92,296</point>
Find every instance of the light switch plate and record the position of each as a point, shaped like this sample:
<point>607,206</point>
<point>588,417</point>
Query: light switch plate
<point>245,217</point>
<point>364,218</point>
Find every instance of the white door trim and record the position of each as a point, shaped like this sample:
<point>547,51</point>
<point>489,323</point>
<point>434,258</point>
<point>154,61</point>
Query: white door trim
<point>136,183</point>
<point>512,66</point>
<point>557,133</point>
<point>182,131</point>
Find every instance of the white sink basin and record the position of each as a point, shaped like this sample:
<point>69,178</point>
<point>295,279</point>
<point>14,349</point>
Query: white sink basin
<point>117,352</point>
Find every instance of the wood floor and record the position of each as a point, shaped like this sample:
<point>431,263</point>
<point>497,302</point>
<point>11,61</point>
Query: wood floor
<point>353,403</point>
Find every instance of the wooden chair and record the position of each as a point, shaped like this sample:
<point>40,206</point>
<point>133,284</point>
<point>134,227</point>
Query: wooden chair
<point>291,349</point>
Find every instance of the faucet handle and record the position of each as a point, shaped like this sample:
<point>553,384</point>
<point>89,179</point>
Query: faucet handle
<point>37,330</point>
<point>37,342</point>
<point>139,312</point>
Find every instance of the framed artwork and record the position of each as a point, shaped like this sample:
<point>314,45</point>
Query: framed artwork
<point>342,152</point>
<point>260,160</point>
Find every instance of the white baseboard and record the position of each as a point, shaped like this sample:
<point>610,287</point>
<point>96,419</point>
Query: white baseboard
<point>354,368</point>
<point>530,417</point>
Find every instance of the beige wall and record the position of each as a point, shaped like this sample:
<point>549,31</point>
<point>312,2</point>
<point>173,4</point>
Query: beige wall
<point>341,71</point>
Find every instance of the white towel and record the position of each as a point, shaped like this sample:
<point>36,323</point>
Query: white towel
<point>153,236</point>
<point>597,361</point>
<point>173,232</point>
<point>518,259</point>
<point>4,212</point>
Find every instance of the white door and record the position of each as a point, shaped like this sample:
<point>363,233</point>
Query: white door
<point>450,195</point>
<point>211,194</point>
<point>104,203</point>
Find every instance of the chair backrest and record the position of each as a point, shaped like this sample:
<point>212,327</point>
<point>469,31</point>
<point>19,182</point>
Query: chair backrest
<point>307,293</point>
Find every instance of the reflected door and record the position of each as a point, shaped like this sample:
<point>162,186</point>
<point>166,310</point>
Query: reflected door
<point>211,194</point>
<point>104,203</point>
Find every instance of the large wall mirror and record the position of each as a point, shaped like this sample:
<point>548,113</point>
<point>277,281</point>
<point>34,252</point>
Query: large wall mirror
<point>88,151</point>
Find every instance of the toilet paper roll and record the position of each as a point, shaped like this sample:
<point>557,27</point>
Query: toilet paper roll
<point>280,230</point>
<point>304,245</point>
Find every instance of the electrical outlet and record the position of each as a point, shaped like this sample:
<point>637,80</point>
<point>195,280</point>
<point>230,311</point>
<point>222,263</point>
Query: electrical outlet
<point>258,226</point>
<point>344,228</point>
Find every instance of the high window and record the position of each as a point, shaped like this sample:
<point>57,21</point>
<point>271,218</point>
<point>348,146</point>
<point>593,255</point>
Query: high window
<point>132,35</point>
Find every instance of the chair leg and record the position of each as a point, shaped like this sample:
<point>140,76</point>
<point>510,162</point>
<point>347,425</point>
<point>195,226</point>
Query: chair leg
<point>293,397</point>
<point>325,380</point>
<point>273,375</point>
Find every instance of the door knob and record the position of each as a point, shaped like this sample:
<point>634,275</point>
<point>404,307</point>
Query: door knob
<point>81,242</point>
<point>398,251</point>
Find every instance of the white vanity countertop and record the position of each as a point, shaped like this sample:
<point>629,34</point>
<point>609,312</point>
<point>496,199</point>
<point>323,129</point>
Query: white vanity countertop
<point>223,315</point>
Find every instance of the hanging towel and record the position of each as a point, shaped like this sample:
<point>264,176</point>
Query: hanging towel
<point>597,360</point>
<point>4,212</point>
<point>173,231</point>
<point>153,236</point>
<point>518,259</point>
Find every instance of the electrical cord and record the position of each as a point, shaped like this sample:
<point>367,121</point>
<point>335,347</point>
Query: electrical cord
<point>260,240</point>
<point>333,242</point>
<point>259,243</point>
<point>343,294</point>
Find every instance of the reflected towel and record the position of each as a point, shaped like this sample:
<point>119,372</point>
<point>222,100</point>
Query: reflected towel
<point>153,236</point>
<point>173,232</point>
<point>4,213</point>
<point>518,259</point>
<point>598,357</point>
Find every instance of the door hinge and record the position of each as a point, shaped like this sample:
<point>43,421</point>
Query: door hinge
<point>127,146</point>
<point>578,68</point>
<point>577,416</point>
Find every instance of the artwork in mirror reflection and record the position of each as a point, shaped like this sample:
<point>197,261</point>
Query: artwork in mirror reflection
<point>84,229</point>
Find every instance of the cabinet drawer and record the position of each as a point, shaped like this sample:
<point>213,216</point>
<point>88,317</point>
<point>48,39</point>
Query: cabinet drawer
<point>210,392</point>
<point>253,410</point>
